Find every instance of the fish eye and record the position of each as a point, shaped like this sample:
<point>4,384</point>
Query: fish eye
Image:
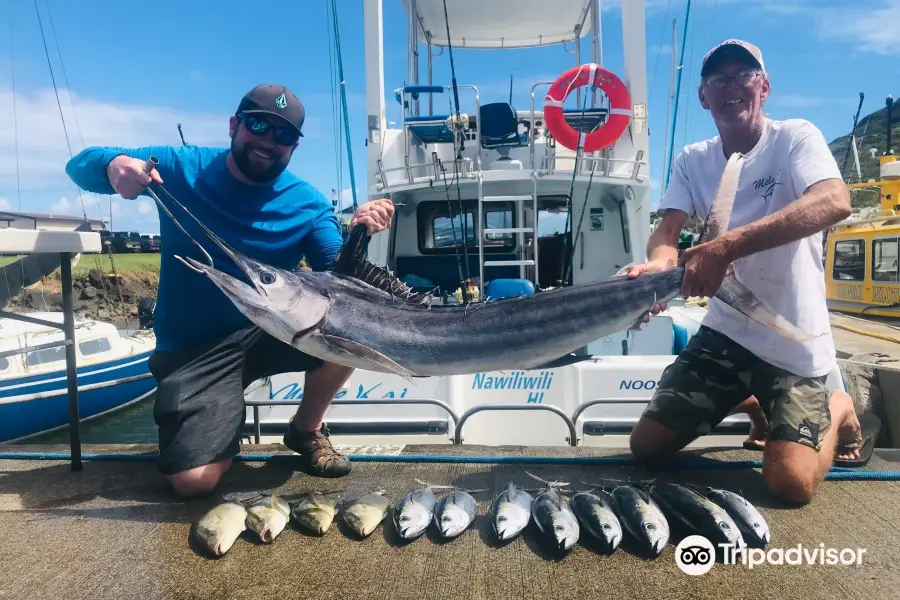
<point>651,527</point>
<point>724,525</point>
<point>501,519</point>
<point>446,519</point>
<point>606,526</point>
<point>559,528</point>
<point>404,518</point>
<point>267,277</point>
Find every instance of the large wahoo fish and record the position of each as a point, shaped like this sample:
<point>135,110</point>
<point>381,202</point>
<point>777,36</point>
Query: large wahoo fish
<point>358,315</point>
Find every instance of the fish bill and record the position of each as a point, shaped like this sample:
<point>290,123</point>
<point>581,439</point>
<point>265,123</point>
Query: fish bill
<point>220,527</point>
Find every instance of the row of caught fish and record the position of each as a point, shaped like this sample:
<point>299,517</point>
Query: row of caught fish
<point>643,510</point>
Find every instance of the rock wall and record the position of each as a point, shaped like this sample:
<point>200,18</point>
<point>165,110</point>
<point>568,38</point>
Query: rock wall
<point>105,297</point>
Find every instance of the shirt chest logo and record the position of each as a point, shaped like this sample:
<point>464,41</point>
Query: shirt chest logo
<point>766,186</point>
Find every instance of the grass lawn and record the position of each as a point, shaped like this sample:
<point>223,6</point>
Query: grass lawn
<point>124,262</point>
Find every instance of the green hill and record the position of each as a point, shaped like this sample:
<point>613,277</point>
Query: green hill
<point>871,132</point>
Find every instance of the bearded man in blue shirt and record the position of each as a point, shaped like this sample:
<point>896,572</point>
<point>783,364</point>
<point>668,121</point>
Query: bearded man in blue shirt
<point>207,352</point>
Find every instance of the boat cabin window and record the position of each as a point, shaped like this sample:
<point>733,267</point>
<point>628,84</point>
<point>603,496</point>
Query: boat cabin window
<point>97,346</point>
<point>4,363</point>
<point>884,260</point>
<point>437,225</point>
<point>849,260</point>
<point>45,356</point>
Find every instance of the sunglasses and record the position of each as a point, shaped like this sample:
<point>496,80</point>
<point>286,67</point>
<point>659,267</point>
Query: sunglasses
<point>282,134</point>
<point>743,78</point>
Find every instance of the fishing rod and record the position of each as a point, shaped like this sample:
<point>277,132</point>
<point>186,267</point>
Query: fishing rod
<point>889,103</point>
<point>852,139</point>
<point>183,143</point>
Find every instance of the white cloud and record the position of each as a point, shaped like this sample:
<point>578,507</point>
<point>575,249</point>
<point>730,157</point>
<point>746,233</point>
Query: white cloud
<point>42,148</point>
<point>864,25</point>
<point>144,207</point>
<point>61,207</point>
<point>5,204</point>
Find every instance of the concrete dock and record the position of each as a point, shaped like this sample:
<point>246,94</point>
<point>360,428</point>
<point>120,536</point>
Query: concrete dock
<point>114,530</point>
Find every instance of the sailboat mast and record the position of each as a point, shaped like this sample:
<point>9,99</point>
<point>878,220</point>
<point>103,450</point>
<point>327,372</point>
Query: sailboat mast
<point>680,69</point>
<point>671,93</point>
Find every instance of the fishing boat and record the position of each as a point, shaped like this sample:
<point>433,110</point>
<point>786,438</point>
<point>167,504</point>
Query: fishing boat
<point>579,149</point>
<point>861,257</point>
<point>112,373</point>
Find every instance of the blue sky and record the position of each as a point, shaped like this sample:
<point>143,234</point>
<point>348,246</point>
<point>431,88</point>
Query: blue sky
<point>135,72</point>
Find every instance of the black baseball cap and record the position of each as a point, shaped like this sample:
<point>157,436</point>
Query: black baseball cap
<point>274,100</point>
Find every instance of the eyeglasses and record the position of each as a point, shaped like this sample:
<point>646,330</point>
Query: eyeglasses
<point>283,135</point>
<point>743,78</point>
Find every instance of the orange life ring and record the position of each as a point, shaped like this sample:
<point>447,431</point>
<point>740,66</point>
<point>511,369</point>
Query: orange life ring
<point>619,108</point>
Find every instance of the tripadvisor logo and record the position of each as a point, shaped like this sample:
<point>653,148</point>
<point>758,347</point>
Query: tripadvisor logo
<point>696,555</point>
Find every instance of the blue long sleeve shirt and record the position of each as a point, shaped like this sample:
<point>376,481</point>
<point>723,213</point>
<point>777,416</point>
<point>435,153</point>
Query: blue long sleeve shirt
<point>277,224</point>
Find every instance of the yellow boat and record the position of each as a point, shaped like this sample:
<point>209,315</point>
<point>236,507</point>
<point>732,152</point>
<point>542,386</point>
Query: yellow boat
<point>862,274</point>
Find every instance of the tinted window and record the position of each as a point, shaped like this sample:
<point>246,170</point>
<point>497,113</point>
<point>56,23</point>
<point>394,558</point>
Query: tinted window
<point>4,363</point>
<point>849,260</point>
<point>884,260</point>
<point>48,355</point>
<point>94,346</point>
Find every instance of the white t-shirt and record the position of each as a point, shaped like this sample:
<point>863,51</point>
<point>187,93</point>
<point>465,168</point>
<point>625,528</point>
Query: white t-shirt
<point>790,156</point>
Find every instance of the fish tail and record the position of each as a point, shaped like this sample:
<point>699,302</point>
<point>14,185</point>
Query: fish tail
<point>739,297</point>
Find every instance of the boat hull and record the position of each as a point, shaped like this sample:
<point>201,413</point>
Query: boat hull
<point>26,410</point>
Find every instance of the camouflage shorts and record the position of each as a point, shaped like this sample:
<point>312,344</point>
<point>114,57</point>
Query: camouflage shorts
<point>714,374</point>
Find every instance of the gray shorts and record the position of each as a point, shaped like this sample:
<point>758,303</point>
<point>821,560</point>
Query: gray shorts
<point>199,405</point>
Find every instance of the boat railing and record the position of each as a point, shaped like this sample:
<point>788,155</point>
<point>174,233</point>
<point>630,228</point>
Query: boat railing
<point>587,164</point>
<point>572,439</point>
<point>431,129</point>
<point>255,404</point>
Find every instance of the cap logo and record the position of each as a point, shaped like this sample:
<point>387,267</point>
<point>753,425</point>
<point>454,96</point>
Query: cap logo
<point>281,101</point>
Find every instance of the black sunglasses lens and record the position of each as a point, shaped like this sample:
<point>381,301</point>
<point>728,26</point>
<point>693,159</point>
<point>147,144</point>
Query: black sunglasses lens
<point>285,136</point>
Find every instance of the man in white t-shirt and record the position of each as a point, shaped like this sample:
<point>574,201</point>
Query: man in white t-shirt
<point>790,190</point>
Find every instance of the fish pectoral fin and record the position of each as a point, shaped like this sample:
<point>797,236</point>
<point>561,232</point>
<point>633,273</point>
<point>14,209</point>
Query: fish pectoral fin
<point>366,353</point>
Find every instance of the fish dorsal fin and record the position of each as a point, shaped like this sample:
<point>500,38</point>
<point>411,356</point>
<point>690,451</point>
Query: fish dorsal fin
<point>351,262</point>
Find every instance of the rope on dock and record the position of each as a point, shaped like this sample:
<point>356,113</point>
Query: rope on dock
<point>834,474</point>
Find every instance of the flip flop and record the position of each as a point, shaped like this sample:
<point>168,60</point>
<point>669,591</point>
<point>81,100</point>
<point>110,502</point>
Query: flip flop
<point>748,446</point>
<point>870,426</point>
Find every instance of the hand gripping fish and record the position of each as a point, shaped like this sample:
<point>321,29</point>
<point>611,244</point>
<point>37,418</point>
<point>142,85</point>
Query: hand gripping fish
<point>359,315</point>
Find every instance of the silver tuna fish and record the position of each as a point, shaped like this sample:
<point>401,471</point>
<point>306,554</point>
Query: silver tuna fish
<point>364,514</point>
<point>221,526</point>
<point>555,519</point>
<point>315,512</point>
<point>642,518</point>
<point>267,517</point>
<point>510,512</point>
<point>360,316</point>
<point>753,526</point>
<point>454,513</point>
<point>698,514</point>
<point>597,516</point>
<point>414,512</point>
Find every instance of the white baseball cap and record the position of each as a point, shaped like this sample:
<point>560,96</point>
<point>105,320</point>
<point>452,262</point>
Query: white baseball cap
<point>731,49</point>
